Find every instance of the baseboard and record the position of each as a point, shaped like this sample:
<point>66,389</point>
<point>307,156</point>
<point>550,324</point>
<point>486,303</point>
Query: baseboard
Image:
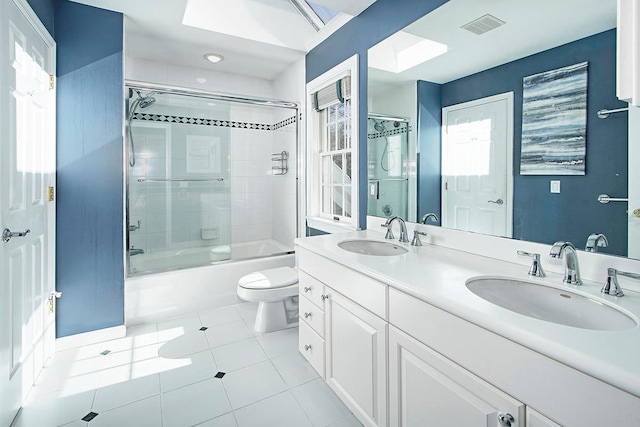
<point>93,337</point>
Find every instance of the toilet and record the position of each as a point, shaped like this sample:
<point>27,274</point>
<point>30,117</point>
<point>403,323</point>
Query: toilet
<point>276,291</point>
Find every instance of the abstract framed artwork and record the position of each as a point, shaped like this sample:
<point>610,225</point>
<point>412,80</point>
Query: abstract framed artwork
<point>554,122</point>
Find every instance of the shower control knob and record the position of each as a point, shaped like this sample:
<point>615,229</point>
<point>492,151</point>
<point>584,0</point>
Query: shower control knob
<point>307,315</point>
<point>307,289</point>
<point>307,347</point>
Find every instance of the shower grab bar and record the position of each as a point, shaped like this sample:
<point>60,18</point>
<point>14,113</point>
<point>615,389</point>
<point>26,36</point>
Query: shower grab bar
<point>387,179</point>
<point>178,179</point>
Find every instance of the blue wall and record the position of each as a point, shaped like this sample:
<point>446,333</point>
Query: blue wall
<point>89,266</point>
<point>429,141</point>
<point>382,19</point>
<point>44,9</point>
<point>538,215</point>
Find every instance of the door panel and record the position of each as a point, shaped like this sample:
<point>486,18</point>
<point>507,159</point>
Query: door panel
<point>27,169</point>
<point>476,166</point>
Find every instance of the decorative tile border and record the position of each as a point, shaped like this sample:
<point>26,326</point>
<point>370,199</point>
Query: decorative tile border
<point>164,118</point>
<point>389,132</point>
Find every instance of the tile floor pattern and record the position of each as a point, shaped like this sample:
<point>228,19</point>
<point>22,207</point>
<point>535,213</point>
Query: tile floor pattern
<point>176,373</point>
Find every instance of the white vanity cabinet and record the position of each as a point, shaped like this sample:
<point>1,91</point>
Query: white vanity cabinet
<point>354,336</point>
<point>427,389</point>
<point>356,358</point>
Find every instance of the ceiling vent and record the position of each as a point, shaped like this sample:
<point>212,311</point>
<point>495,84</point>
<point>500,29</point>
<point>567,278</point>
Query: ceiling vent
<point>483,24</point>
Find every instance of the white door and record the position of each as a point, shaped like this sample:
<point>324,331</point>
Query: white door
<point>27,169</point>
<point>477,139</point>
<point>356,358</point>
<point>427,389</point>
<point>634,182</point>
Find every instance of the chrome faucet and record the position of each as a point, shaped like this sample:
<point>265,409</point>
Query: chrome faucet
<point>571,268</point>
<point>403,229</point>
<point>595,241</point>
<point>612,279</point>
<point>430,216</point>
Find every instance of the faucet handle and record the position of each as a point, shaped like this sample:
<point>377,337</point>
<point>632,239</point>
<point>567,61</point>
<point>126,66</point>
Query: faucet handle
<point>612,279</point>
<point>416,238</point>
<point>536,266</point>
<point>389,234</point>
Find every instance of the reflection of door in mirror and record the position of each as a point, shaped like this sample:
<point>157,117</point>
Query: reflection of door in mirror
<point>634,183</point>
<point>477,141</point>
<point>387,154</point>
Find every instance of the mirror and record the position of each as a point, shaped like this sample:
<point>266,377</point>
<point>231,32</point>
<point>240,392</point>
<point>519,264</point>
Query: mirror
<point>485,52</point>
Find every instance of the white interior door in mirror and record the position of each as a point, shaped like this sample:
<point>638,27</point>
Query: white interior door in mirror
<point>634,182</point>
<point>477,141</point>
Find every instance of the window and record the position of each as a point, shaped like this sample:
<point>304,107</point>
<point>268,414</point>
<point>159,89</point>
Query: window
<point>332,175</point>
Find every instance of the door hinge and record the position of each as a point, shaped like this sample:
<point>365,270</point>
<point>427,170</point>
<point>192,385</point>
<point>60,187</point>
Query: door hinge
<point>446,186</point>
<point>50,194</point>
<point>52,300</point>
<point>52,82</point>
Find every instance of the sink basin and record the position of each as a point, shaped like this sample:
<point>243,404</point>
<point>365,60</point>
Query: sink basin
<point>550,304</point>
<point>372,247</point>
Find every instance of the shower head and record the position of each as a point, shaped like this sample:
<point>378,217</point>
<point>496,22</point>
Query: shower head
<point>379,126</point>
<point>145,101</point>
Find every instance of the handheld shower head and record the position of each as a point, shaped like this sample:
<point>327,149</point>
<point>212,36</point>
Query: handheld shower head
<point>145,101</point>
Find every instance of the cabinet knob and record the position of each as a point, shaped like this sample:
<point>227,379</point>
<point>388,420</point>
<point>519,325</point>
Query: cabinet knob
<point>307,347</point>
<point>307,315</point>
<point>307,288</point>
<point>324,297</point>
<point>505,419</point>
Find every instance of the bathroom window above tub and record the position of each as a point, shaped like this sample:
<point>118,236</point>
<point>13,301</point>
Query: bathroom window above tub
<point>332,149</point>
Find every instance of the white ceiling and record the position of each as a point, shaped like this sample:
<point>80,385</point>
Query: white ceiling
<point>531,27</point>
<point>258,38</point>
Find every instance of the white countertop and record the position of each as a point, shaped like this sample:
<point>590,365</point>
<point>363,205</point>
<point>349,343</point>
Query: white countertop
<point>438,276</point>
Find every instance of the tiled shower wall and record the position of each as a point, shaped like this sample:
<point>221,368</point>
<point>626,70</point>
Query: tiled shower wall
<point>261,205</point>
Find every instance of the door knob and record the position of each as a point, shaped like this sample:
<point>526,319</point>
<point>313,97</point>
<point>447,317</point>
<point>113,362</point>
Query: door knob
<point>497,202</point>
<point>8,234</point>
<point>505,419</point>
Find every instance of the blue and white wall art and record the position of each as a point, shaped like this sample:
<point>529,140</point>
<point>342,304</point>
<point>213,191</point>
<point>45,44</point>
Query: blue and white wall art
<point>554,122</point>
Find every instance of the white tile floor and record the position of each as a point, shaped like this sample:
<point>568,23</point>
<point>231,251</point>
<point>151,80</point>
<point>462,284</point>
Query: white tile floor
<point>164,375</point>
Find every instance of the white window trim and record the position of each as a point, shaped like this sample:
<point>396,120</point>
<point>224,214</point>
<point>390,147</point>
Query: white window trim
<point>313,191</point>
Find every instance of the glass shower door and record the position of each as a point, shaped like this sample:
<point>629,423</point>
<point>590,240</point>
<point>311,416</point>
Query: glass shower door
<point>178,185</point>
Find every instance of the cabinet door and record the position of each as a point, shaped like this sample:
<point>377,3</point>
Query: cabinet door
<point>536,419</point>
<point>356,358</point>
<point>426,389</point>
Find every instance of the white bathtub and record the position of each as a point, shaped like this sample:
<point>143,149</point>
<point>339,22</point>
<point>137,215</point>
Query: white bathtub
<point>162,295</point>
<point>195,257</point>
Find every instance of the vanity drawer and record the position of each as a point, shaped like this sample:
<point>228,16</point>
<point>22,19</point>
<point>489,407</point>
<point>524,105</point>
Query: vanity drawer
<point>312,315</point>
<point>311,345</point>
<point>369,293</point>
<point>311,288</point>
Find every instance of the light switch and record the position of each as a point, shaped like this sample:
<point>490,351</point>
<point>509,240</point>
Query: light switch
<point>554,187</point>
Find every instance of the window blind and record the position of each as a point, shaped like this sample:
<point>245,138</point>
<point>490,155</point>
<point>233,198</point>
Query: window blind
<point>334,93</point>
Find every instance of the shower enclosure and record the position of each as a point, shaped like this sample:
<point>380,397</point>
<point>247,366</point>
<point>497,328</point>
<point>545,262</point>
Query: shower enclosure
<point>388,169</point>
<point>210,178</point>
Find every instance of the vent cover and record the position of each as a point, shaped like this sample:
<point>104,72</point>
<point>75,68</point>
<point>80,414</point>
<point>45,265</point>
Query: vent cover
<point>483,24</point>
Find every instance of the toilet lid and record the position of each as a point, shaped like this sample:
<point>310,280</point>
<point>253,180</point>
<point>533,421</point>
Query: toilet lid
<point>269,279</point>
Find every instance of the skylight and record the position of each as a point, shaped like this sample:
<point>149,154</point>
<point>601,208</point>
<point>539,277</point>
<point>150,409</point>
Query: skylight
<point>402,51</point>
<point>324,13</point>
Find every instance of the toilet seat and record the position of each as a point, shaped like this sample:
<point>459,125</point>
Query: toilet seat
<point>269,285</point>
<point>272,278</point>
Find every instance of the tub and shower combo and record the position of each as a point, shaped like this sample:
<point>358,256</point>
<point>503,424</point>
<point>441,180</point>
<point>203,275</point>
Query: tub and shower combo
<point>211,196</point>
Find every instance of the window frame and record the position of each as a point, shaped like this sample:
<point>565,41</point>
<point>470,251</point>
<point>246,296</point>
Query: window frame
<point>315,138</point>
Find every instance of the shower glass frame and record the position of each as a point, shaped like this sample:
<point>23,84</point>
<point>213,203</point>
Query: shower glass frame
<point>159,90</point>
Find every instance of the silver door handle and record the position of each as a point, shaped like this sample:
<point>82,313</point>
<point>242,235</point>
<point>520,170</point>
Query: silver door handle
<point>8,234</point>
<point>497,202</point>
